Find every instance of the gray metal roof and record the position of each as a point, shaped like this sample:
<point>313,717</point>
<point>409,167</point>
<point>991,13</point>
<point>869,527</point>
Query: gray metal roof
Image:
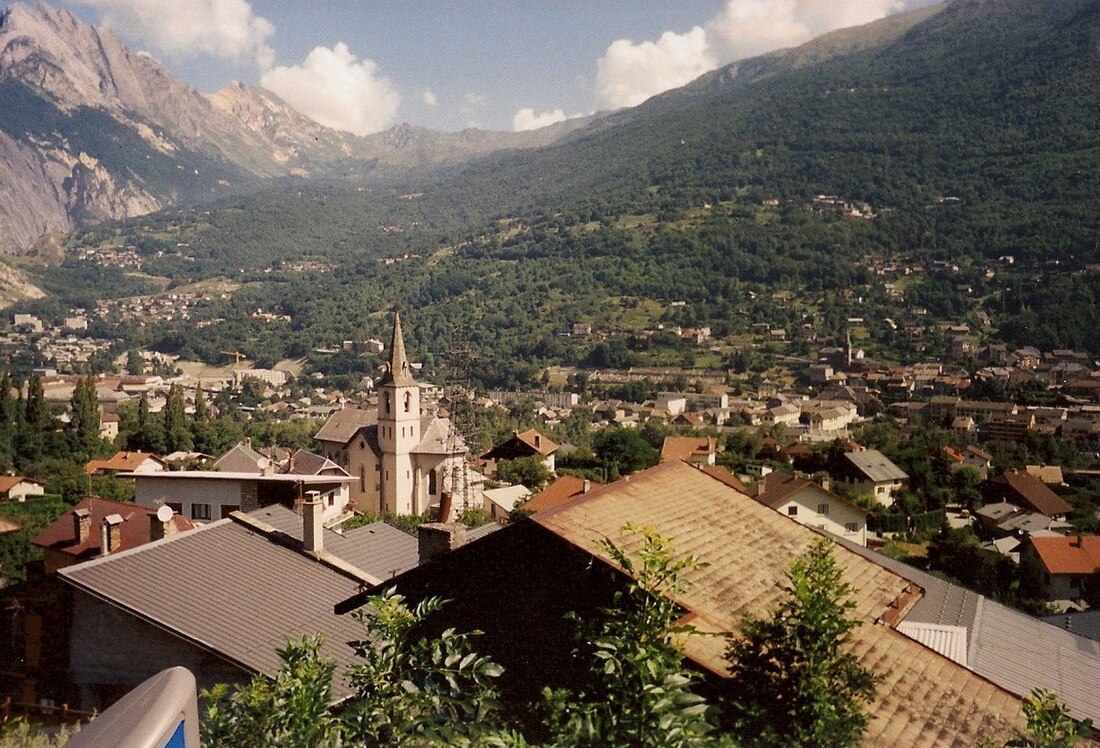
<point>1016,651</point>
<point>378,549</point>
<point>876,466</point>
<point>342,425</point>
<point>230,590</point>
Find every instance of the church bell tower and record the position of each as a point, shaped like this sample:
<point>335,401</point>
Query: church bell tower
<point>398,427</point>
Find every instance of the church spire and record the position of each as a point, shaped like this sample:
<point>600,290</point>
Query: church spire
<point>399,373</point>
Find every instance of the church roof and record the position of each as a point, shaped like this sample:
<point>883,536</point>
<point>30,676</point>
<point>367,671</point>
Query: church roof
<point>344,424</point>
<point>437,438</point>
<point>399,374</point>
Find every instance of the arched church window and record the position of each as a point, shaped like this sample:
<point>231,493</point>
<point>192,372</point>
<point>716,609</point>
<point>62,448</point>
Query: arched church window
<point>408,401</point>
<point>433,488</point>
<point>386,401</point>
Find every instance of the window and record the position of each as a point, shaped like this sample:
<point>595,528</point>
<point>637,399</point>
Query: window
<point>408,401</point>
<point>851,527</point>
<point>228,509</point>
<point>362,478</point>
<point>823,510</point>
<point>332,497</point>
<point>175,506</point>
<point>386,401</point>
<point>200,511</point>
<point>792,511</point>
<point>433,489</point>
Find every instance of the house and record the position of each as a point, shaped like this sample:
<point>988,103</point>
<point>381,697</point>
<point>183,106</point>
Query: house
<point>403,460</point>
<point>18,488</point>
<point>499,502</point>
<point>206,495</point>
<point>242,458</point>
<point>869,471</point>
<point>517,585</point>
<point>812,505</point>
<point>1025,490</point>
<point>528,443</point>
<point>108,426</point>
<point>126,462</point>
<point>559,492</point>
<point>222,599</point>
<point>971,457</point>
<point>1061,566</point>
<point>98,527</point>
<point>1051,475</point>
<point>700,450</point>
<point>785,414</point>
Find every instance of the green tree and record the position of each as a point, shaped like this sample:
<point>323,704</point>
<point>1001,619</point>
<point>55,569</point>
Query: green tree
<point>35,410</point>
<point>1049,724</point>
<point>795,682</point>
<point>135,364</point>
<point>7,405</point>
<point>531,471</point>
<point>177,432</point>
<point>624,451</point>
<point>84,424</point>
<point>293,710</point>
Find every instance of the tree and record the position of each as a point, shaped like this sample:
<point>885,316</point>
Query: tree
<point>292,710</point>
<point>35,411</point>
<point>624,450</point>
<point>1049,724</point>
<point>640,693</point>
<point>135,364</point>
<point>177,434</point>
<point>84,424</point>
<point>794,681</point>
<point>531,471</point>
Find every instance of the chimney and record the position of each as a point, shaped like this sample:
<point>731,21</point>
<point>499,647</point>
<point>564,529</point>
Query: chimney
<point>313,527</point>
<point>436,538</point>
<point>162,524</point>
<point>445,501</point>
<point>82,524</point>
<point>111,534</point>
<point>1080,542</point>
<point>538,441</point>
<point>587,486</point>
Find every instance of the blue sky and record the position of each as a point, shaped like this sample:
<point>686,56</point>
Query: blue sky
<point>365,65</point>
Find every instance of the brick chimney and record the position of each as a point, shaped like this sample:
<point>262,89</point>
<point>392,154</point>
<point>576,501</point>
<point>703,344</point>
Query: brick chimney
<point>82,524</point>
<point>436,538</point>
<point>111,535</point>
<point>445,501</point>
<point>313,528</point>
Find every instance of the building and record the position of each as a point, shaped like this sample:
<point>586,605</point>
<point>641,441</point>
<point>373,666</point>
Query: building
<point>699,450</point>
<point>1061,566</point>
<point>517,585</point>
<point>869,471</point>
<point>242,458</point>
<point>126,462</point>
<point>1026,491</point>
<point>18,488</point>
<point>528,443</point>
<point>559,492</point>
<point>403,460</point>
<point>812,505</point>
<point>97,527</point>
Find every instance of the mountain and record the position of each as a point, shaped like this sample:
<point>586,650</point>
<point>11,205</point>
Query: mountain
<point>90,131</point>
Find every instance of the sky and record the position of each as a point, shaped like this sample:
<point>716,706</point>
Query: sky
<point>366,65</point>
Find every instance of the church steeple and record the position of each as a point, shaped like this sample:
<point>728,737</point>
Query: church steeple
<point>399,373</point>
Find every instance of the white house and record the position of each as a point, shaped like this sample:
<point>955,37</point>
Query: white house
<point>810,504</point>
<point>869,471</point>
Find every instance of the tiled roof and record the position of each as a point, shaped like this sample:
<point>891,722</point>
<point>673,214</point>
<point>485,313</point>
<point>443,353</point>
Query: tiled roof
<point>1033,492</point>
<point>304,462</point>
<point>8,482</point>
<point>720,473</point>
<point>875,466</point>
<point>683,447</point>
<point>61,533</point>
<point>229,589</point>
<point>122,462</point>
<point>923,698</point>
<point>537,441</point>
<point>1075,554</point>
<point>557,493</point>
<point>344,424</point>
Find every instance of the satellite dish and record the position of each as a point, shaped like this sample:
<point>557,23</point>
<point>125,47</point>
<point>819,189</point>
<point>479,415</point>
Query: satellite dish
<point>164,513</point>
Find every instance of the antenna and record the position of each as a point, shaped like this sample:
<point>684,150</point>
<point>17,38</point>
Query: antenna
<point>164,513</point>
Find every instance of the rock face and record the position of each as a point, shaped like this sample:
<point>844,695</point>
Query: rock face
<point>90,131</point>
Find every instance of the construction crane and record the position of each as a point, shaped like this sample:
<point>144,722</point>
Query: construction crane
<point>237,356</point>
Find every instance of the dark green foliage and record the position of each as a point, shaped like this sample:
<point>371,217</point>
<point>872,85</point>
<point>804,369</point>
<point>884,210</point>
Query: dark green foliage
<point>624,451</point>
<point>32,516</point>
<point>794,680</point>
<point>84,423</point>
<point>530,471</point>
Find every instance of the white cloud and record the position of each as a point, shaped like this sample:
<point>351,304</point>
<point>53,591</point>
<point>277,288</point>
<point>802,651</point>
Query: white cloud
<point>429,97</point>
<point>526,119</point>
<point>227,29</point>
<point>338,90</point>
<point>631,72</point>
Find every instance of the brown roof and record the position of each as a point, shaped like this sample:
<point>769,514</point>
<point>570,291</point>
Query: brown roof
<point>923,699</point>
<point>684,447</point>
<point>344,424</point>
<point>304,462</point>
<point>1063,555</point>
<point>1033,492</point>
<point>8,482</point>
<point>720,473</point>
<point>522,443</point>
<point>61,534</point>
<point>557,493</point>
<point>6,526</point>
<point>122,462</point>
<point>542,444</point>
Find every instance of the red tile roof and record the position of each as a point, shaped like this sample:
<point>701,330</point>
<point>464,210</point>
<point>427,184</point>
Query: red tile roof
<point>122,462</point>
<point>720,473</point>
<point>557,493</point>
<point>61,534</point>
<point>537,441</point>
<point>8,482</point>
<point>1063,555</point>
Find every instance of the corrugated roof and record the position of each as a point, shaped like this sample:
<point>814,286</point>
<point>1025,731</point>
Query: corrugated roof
<point>923,698</point>
<point>950,641</point>
<point>875,466</point>
<point>230,590</point>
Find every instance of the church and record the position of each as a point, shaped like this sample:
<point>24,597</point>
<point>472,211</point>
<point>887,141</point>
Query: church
<point>404,460</point>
